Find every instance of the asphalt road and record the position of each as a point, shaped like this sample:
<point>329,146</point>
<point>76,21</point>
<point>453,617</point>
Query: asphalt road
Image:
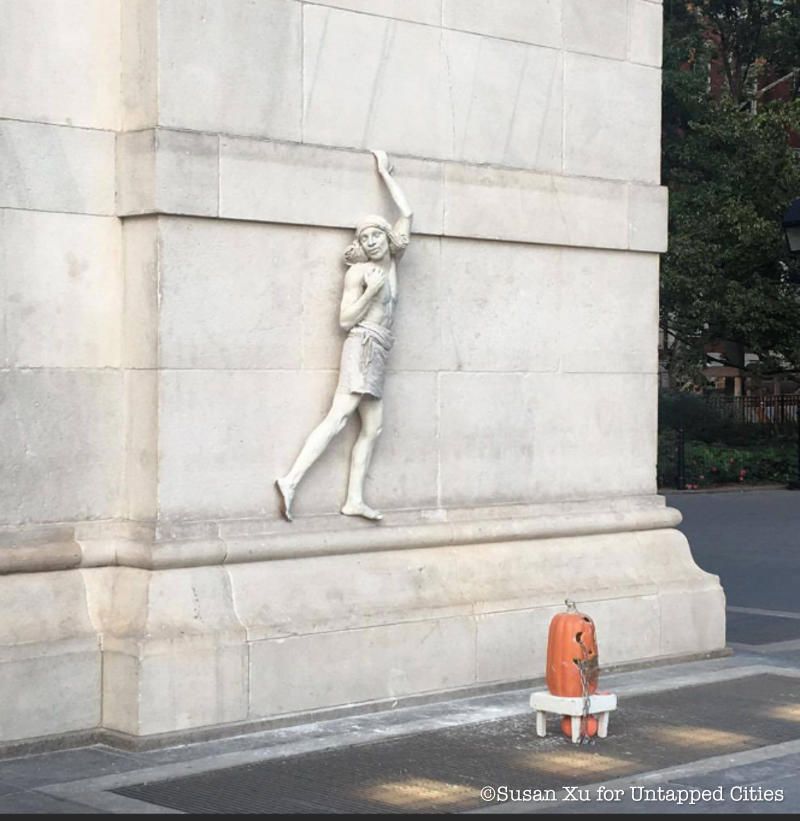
<point>750,539</point>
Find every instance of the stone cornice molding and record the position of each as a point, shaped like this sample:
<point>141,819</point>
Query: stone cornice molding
<point>130,544</point>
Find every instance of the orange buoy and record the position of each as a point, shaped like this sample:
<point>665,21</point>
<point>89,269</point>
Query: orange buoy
<point>588,726</point>
<point>572,660</point>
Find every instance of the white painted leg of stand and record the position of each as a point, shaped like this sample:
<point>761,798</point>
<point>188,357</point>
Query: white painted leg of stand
<point>541,723</point>
<point>576,729</point>
<point>602,725</point>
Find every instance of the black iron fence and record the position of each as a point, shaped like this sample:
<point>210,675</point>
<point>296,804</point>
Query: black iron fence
<point>715,440</point>
<point>780,409</point>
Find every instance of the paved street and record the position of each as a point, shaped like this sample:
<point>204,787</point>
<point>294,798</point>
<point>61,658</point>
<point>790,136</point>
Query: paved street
<point>727,726</point>
<point>751,539</point>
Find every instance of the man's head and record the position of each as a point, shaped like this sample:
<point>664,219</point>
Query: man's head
<point>374,239</point>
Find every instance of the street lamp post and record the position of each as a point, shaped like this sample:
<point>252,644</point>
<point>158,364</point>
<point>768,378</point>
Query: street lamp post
<point>791,229</point>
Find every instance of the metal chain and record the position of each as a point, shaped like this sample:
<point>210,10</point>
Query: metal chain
<point>583,666</point>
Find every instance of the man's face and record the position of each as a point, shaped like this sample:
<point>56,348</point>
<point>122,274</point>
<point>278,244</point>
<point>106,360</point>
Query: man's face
<point>374,242</point>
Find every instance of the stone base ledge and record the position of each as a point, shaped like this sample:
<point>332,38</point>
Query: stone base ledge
<point>165,545</point>
<point>231,644</point>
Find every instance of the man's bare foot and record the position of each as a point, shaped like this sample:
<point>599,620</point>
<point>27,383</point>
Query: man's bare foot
<point>360,509</point>
<point>286,492</point>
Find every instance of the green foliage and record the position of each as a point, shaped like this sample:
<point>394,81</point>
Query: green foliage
<point>782,40</point>
<point>708,465</point>
<point>719,449</point>
<point>731,173</point>
<point>711,464</point>
<point>746,34</point>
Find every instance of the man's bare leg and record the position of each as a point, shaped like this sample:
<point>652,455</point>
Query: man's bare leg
<point>371,412</point>
<point>318,440</point>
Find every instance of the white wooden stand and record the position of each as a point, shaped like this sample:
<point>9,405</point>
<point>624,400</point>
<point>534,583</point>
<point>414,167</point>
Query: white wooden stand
<point>600,705</point>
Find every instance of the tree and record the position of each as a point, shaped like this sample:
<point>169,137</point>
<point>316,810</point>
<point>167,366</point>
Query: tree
<point>731,173</point>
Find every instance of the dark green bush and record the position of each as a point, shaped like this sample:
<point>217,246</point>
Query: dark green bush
<point>707,465</point>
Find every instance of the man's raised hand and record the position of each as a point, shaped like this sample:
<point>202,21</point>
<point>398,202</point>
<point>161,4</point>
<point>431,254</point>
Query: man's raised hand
<point>384,164</point>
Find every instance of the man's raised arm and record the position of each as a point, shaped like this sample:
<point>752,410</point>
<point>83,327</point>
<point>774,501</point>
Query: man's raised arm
<point>403,226</point>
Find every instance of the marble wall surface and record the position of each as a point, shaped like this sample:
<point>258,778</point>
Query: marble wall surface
<point>178,180</point>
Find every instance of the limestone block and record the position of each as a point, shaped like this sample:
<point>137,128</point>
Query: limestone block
<point>209,79</point>
<point>226,435</point>
<point>63,297</point>
<point>606,415</point>
<point>416,320</point>
<point>49,692</point>
<point>139,69</point>
<point>49,656</point>
<point>613,617</point>
<point>99,583</point>
<point>50,476</point>
<point>648,206</point>
<point>362,82</point>
<point>167,171</point>
<point>610,106</point>
<point>529,21</point>
<point>55,168</point>
<point>4,353</point>
<point>322,278</point>
<point>404,472</point>
<point>136,172</point>
<point>348,592</point>
<point>524,206</point>
<point>599,27</point>
<point>506,101</point>
<point>141,444</point>
<point>645,32</point>
<point>692,621</point>
<point>121,692</point>
<point>420,11</point>
<point>328,186</point>
<point>175,655</point>
<point>500,306</point>
<point>232,292</point>
<point>486,438</point>
<point>24,550</point>
<point>118,603</point>
<point>512,645</point>
<point>60,61</point>
<point>191,601</point>
<point>175,685</point>
<point>61,613</point>
<point>187,172</point>
<point>609,310</point>
<point>393,661</point>
<point>672,562</point>
<point>140,257</point>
